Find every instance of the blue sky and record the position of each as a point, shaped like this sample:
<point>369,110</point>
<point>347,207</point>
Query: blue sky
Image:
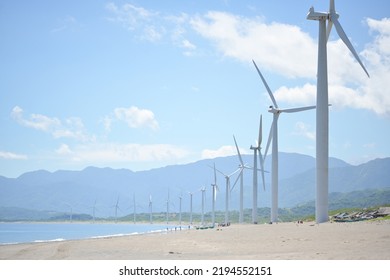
<point>144,84</point>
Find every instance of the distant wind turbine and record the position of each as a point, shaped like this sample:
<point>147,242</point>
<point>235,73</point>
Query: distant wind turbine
<point>276,111</point>
<point>322,117</point>
<point>241,168</point>
<point>227,178</point>
<point>168,208</point>
<point>94,210</point>
<point>134,206</point>
<point>214,196</point>
<point>203,190</point>
<point>116,209</point>
<point>71,212</point>
<point>256,149</point>
<point>180,199</point>
<point>191,194</point>
<point>150,209</point>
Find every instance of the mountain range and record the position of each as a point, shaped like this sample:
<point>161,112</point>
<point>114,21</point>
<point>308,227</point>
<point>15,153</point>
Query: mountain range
<point>103,189</point>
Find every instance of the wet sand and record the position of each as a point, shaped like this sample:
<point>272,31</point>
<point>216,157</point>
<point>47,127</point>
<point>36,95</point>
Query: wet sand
<point>368,240</point>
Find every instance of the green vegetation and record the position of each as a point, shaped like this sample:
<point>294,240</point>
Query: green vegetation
<point>338,202</point>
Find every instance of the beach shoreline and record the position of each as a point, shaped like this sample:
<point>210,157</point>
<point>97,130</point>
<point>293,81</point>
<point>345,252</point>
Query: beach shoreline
<point>365,240</point>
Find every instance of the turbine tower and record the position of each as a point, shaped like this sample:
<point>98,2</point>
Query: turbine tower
<point>276,111</point>
<point>94,211</point>
<point>256,149</point>
<point>241,168</point>
<point>214,197</point>
<point>167,214</point>
<point>227,178</point>
<point>134,209</point>
<point>116,209</point>
<point>191,194</point>
<point>150,209</point>
<point>180,198</point>
<point>322,117</point>
<point>203,190</point>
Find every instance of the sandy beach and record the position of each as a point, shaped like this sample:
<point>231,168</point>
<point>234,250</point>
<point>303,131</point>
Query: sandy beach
<point>369,240</point>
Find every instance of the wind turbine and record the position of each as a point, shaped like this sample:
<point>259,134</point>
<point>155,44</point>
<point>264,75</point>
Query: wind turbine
<point>276,111</point>
<point>214,198</point>
<point>116,209</point>
<point>256,149</point>
<point>94,211</point>
<point>180,198</point>
<point>241,168</point>
<point>71,212</point>
<point>227,178</point>
<point>134,209</point>
<point>322,114</point>
<point>203,190</point>
<point>191,194</point>
<point>168,208</point>
<point>150,209</point>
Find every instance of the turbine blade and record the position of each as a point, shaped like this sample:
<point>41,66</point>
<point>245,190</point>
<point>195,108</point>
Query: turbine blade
<point>220,172</point>
<point>328,29</point>
<point>262,169</point>
<point>266,86</point>
<point>346,41</point>
<point>238,169</point>
<point>269,140</point>
<point>238,177</point>
<point>260,132</point>
<point>331,7</point>
<point>299,109</point>
<point>215,175</point>
<point>238,151</point>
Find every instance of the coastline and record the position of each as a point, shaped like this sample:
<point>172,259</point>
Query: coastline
<point>77,231</point>
<point>366,240</point>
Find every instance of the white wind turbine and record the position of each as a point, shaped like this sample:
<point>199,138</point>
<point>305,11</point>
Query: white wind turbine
<point>150,209</point>
<point>116,206</point>
<point>191,194</point>
<point>134,209</point>
<point>322,117</point>
<point>214,197</point>
<point>180,199</point>
<point>167,215</point>
<point>227,178</point>
<point>203,190</point>
<point>276,111</point>
<point>241,168</point>
<point>255,183</point>
<point>71,212</point>
<point>94,211</point>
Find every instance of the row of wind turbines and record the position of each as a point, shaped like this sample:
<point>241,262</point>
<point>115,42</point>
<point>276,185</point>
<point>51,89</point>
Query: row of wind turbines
<point>326,22</point>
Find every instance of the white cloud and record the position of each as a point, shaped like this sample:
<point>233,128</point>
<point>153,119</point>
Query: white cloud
<point>304,130</point>
<point>70,128</point>
<point>153,26</point>
<point>9,155</point>
<point>223,151</point>
<point>68,23</point>
<point>135,18</point>
<point>305,95</point>
<point>189,48</point>
<point>114,152</point>
<point>36,121</point>
<point>64,150</point>
<point>136,118</point>
<point>281,47</point>
<point>348,84</point>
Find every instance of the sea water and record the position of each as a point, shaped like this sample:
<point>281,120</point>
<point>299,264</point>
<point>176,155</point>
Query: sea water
<point>13,233</point>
